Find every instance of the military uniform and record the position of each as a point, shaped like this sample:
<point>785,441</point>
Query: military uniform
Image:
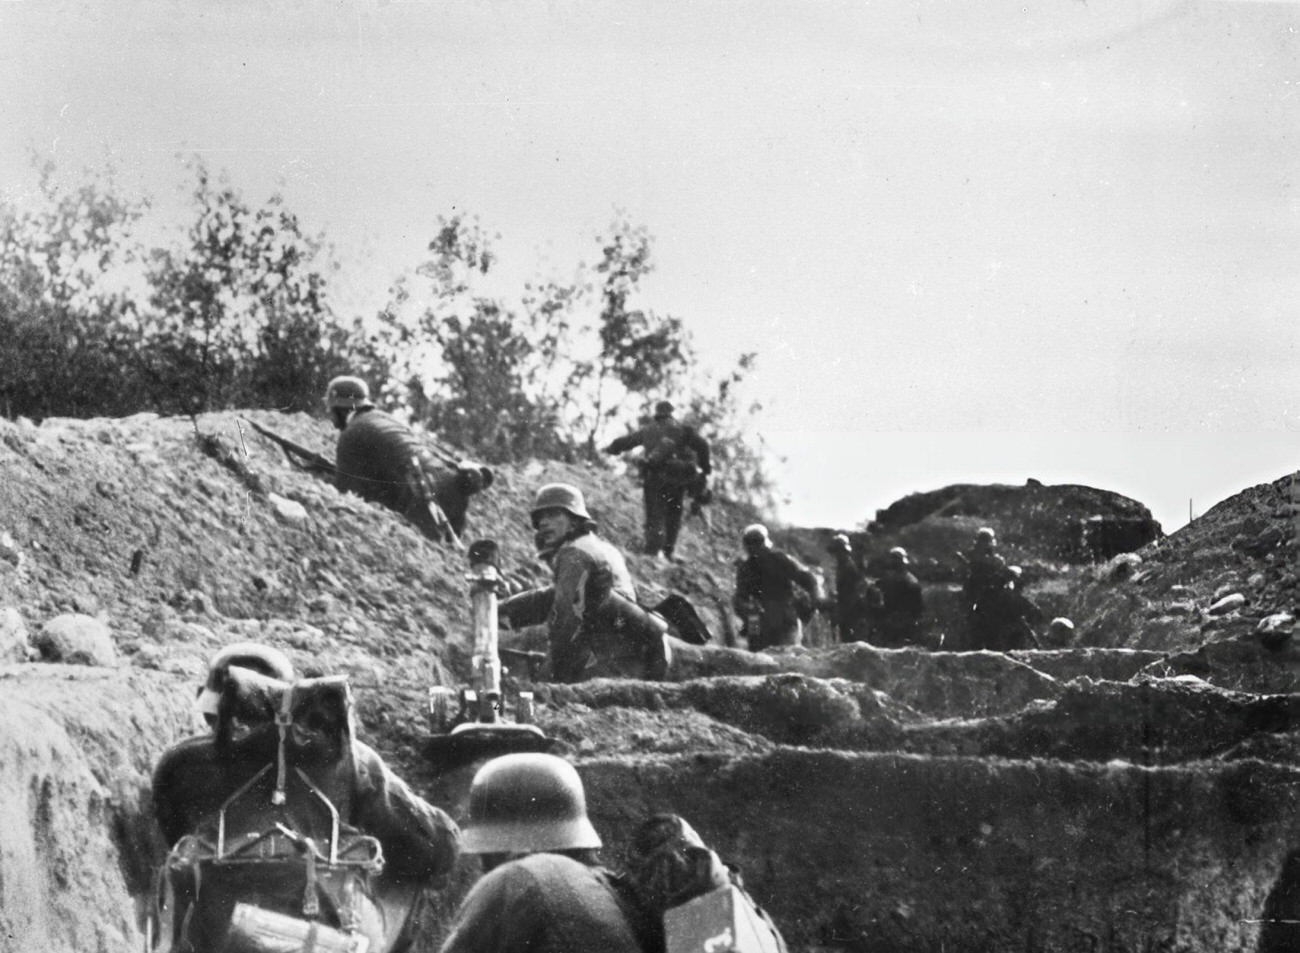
<point>772,580</point>
<point>379,458</point>
<point>676,458</point>
<point>549,903</point>
<point>590,575</point>
<point>899,622</point>
<point>855,599</point>
<point>193,779</point>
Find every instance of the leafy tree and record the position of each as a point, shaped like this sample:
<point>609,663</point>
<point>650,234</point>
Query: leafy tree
<point>66,270</point>
<point>238,313</point>
<point>640,352</point>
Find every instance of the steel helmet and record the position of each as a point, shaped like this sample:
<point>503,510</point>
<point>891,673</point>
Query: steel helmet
<point>899,555</point>
<point>561,496</point>
<point>663,409</point>
<point>839,544</point>
<point>754,533</point>
<point>347,392</point>
<point>524,803</point>
<point>254,655</point>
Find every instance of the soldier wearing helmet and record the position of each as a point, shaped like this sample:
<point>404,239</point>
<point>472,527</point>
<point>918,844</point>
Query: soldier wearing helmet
<point>196,775</point>
<point>255,656</point>
<point>380,459</point>
<point>675,462</point>
<point>594,625</point>
<point>770,587</point>
<point>901,603</point>
<point>986,575</point>
<point>543,889</point>
<point>855,594</point>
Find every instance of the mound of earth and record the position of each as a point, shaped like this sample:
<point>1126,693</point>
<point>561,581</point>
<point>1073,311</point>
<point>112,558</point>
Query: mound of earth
<point>1133,792</point>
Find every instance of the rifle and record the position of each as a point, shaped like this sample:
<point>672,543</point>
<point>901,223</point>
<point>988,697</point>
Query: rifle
<point>312,462</point>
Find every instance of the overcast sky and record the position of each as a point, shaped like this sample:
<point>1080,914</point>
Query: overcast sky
<point>969,241</point>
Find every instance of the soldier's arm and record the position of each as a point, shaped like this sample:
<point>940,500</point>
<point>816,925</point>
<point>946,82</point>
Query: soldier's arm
<point>626,442</point>
<point>571,571</point>
<point>701,448</point>
<point>420,841</point>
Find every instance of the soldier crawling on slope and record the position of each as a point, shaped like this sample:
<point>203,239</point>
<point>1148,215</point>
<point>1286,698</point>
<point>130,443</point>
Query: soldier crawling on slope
<point>380,459</point>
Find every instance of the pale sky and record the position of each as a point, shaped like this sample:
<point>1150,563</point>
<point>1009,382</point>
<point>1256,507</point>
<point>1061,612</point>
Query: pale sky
<point>969,241</point>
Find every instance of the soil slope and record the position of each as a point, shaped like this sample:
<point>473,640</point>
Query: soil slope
<point>1134,791</point>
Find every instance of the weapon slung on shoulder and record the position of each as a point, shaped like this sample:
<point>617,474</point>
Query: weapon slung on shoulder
<point>298,455</point>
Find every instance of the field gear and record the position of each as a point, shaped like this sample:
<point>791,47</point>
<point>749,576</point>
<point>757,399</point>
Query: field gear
<point>347,393</point>
<point>487,722</point>
<point>299,457</point>
<point>562,496</point>
<point>527,802</point>
<point>284,812</point>
<point>678,877</point>
<point>250,655</point>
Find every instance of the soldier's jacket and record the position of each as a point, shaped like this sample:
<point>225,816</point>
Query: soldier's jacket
<point>771,576</point>
<point>587,569</point>
<point>380,459</point>
<point>549,903</point>
<point>194,778</point>
<point>666,440</point>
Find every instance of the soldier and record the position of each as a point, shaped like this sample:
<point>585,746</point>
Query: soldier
<point>986,574</point>
<point>253,656</point>
<point>380,459</point>
<point>200,786</point>
<point>543,888</point>
<point>855,596</point>
<point>899,622</point>
<point>770,587</point>
<point>1009,616</point>
<point>594,624</point>
<point>676,460</point>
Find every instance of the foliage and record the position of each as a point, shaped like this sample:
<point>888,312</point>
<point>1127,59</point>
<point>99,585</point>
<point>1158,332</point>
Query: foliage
<point>234,312</point>
<point>95,323</point>
<point>238,315</point>
<point>65,267</point>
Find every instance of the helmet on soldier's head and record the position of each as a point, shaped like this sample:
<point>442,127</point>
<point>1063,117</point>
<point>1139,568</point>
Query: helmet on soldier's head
<point>839,544</point>
<point>560,496</point>
<point>252,655</point>
<point>347,392</point>
<point>898,555</point>
<point>755,534</point>
<point>523,803</point>
<point>985,534</point>
<point>663,409</point>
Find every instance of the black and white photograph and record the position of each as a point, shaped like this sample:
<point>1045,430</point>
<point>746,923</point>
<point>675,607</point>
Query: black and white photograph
<point>740,476</point>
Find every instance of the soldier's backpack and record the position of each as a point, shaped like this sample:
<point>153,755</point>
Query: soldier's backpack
<point>703,902</point>
<point>276,867</point>
<point>675,462</point>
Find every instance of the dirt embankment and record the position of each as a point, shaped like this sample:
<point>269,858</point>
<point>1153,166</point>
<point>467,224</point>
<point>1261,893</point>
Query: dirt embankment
<point>1135,791</point>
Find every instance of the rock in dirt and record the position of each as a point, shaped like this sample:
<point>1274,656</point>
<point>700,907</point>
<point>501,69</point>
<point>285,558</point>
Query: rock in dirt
<point>76,639</point>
